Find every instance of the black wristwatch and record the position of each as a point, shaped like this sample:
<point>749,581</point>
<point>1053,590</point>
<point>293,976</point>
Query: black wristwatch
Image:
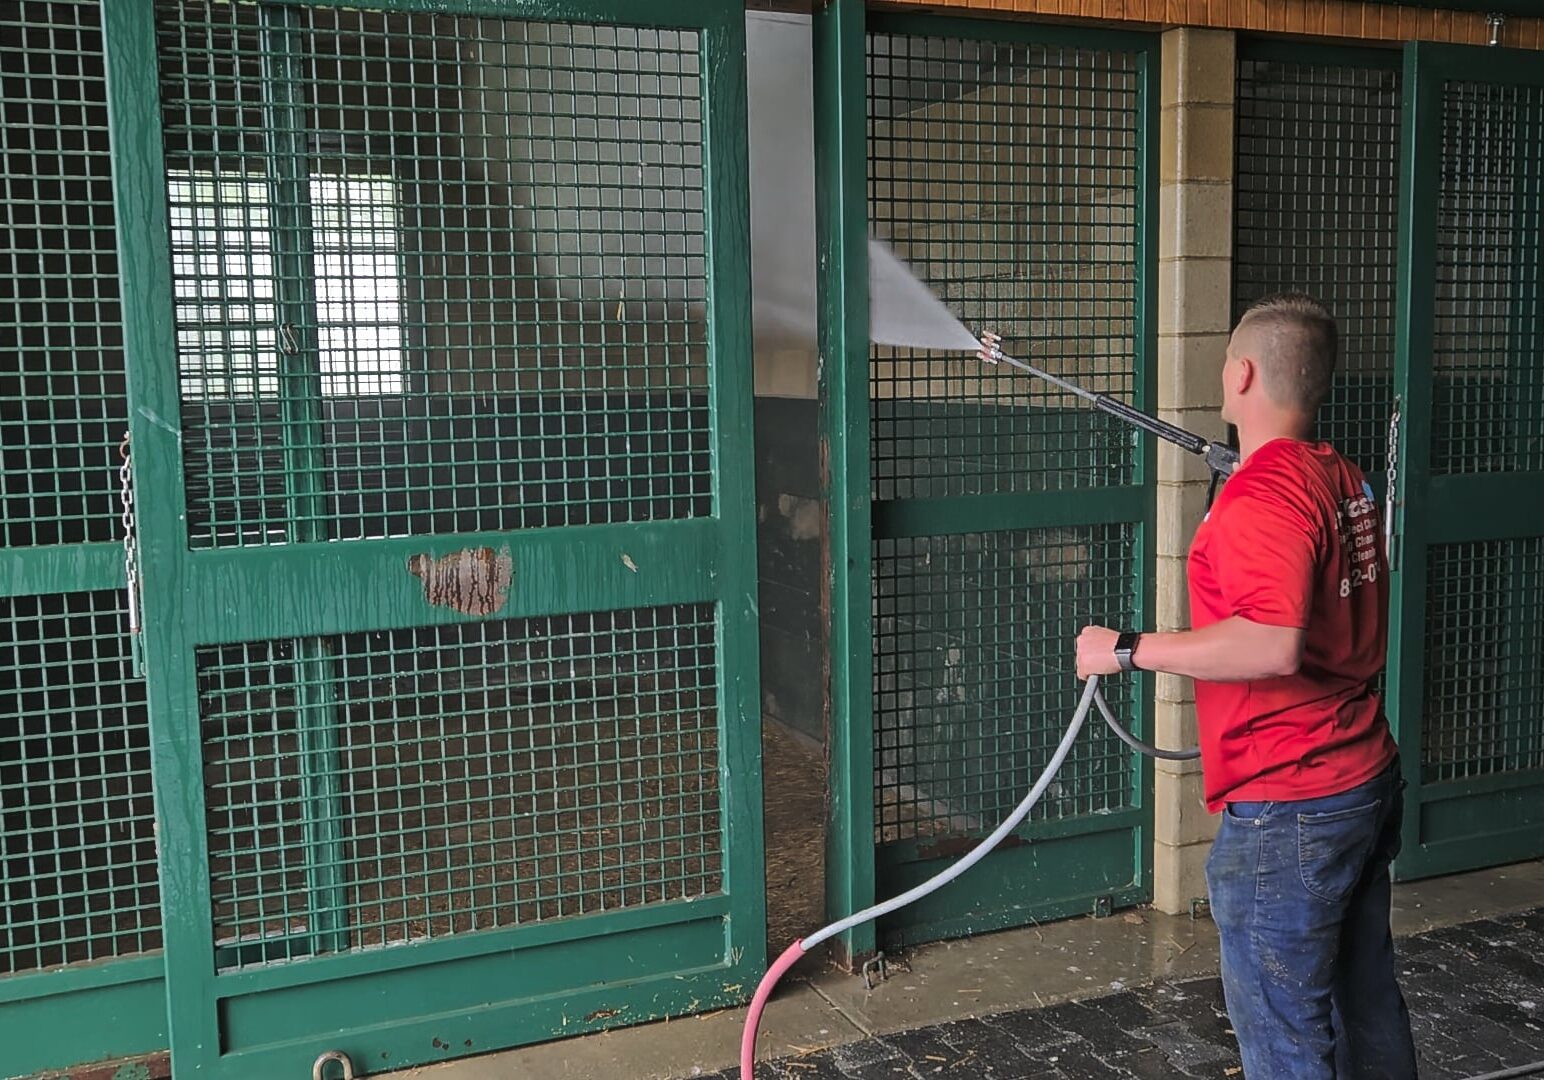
<point>1125,650</point>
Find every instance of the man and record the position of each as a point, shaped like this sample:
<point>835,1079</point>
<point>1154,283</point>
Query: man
<point>1288,600</point>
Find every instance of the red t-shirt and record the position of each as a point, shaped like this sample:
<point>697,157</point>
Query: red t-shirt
<point>1294,540</point>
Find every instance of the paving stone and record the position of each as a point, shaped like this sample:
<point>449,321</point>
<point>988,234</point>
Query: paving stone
<point>1032,1033</point>
<point>1185,1049</point>
<point>926,1048</point>
<point>1088,1022</point>
<point>870,1059</point>
<point>1126,1012</point>
<point>990,1048</point>
<point>1149,1064</point>
<point>1079,1062</point>
<point>808,1067</point>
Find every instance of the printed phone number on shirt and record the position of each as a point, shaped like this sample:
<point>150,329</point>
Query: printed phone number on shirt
<point>1360,507</point>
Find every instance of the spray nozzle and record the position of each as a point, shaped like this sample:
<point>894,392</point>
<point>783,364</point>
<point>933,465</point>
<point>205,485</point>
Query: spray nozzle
<point>991,348</point>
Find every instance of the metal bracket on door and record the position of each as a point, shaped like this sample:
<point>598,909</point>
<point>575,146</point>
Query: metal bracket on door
<point>130,555</point>
<point>319,1069</point>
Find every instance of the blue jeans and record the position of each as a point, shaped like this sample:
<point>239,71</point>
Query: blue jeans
<point>1300,895</point>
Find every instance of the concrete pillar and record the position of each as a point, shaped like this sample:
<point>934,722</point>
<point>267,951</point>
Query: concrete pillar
<point>1194,282</point>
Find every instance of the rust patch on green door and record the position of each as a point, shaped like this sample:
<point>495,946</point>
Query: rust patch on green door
<point>473,581</point>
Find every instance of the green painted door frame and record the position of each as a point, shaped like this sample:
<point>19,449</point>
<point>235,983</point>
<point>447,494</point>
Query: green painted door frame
<point>841,193</point>
<point>215,611</point>
<point>998,534</point>
<point>1465,663</point>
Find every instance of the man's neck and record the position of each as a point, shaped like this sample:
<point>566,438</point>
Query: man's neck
<point>1252,436</point>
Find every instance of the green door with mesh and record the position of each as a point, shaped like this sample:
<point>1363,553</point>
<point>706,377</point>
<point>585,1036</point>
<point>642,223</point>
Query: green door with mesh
<point>80,920</point>
<point>438,344</point>
<point>1012,166</point>
<point>1467,673</point>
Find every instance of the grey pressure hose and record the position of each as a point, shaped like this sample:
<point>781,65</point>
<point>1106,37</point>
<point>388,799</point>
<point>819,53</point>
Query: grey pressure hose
<point>981,850</point>
<point>1188,754</point>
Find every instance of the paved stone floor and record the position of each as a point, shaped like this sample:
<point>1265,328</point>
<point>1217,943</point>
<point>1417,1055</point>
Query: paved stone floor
<point>1475,991</point>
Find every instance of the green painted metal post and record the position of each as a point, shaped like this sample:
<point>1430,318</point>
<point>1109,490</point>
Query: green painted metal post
<point>150,352</point>
<point>1420,173</point>
<point>300,396</point>
<point>1520,609</point>
<point>726,159</point>
<point>841,215</point>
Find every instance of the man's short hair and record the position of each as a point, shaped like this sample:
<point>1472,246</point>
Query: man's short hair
<point>1295,342</point>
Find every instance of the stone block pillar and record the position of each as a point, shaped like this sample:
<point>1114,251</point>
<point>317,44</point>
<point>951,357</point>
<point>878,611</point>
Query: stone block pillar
<point>1194,285</point>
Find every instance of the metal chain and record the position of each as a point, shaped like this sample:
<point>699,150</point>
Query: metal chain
<point>1391,499</point>
<point>130,543</point>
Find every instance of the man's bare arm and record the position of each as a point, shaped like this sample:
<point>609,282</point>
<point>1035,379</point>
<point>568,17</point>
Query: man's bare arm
<point>1233,650</point>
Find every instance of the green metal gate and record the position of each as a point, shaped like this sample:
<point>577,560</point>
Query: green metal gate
<point>79,901</point>
<point>438,345</point>
<point>1013,167</point>
<point>1467,675</point>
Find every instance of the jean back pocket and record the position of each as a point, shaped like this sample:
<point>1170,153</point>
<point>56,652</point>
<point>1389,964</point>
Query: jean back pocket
<point>1332,849</point>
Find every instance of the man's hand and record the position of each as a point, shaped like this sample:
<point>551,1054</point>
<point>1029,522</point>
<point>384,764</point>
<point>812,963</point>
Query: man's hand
<point>1096,652</point>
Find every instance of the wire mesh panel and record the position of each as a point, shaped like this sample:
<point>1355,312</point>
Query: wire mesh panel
<point>77,847</point>
<point>461,262</point>
<point>973,634</point>
<point>1488,408</point>
<point>1484,680</point>
<point>1316,186</point>
<point>61,372</point>
<point>487,775</point>
<point>78,882</point>
<point>1483,662</point>
<point>1006,175</point>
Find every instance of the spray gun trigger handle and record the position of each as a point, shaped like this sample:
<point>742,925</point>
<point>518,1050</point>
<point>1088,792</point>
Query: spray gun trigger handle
<point>1222,459</point>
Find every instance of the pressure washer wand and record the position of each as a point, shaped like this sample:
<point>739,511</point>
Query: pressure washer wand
<point>1220,458</point>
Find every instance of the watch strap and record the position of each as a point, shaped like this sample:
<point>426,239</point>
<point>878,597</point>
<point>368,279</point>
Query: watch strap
<point>1125,650</point>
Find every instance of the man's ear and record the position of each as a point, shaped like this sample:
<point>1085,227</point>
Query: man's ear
<point>1247,373</point>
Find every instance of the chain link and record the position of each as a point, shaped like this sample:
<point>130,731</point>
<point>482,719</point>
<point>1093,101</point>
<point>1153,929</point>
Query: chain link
<point>1392,497</point>
<point>130,542</point>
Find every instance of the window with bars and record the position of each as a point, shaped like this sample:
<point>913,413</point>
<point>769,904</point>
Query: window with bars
<point>229,331</point>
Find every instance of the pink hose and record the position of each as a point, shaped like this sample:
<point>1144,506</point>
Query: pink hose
<point>763,991</point>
